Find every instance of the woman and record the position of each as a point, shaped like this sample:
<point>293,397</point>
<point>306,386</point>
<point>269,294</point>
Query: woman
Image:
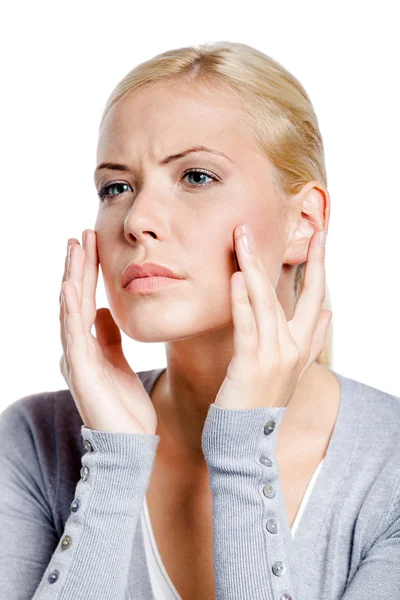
<point>247,469</point>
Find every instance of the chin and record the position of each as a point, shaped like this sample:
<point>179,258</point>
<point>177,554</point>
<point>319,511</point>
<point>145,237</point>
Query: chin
<point>156,318</point>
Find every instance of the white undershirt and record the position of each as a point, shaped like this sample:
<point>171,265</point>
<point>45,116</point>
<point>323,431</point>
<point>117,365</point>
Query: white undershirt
<point>163,588</point>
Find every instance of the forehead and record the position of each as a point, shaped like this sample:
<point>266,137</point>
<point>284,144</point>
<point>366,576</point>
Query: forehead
<point>163,119</point>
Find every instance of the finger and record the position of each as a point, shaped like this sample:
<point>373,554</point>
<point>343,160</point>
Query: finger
<point>262,297</point>
<point>308,308</point>
<point>70,241</point>
<point>319,338</point>
<point>245,335</point>
<point>90,279</point>
<point>76,335</point>
<point>62,300</point>
<point>76,268</point>
<point>63,334</point>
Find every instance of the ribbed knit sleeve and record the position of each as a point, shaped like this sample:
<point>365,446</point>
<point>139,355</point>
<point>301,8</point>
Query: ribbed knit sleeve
<point>253,549</point>
<point>91,561</point>
<point>93,557</point>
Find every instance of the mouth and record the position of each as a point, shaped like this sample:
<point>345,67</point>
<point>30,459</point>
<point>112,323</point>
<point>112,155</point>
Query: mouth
<point>148,285</point>
<point>148,271</point>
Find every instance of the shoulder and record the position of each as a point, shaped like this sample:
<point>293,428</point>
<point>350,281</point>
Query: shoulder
<point>41,442</point>
<point>370,418</point>
<point>39,415</point>
<point>366,435</point>
<point>375,406</point>
<point>35,431</point>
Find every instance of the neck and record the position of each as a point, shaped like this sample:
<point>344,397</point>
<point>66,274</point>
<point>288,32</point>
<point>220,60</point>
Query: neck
<point>196,368</point>
<point>182,399</point>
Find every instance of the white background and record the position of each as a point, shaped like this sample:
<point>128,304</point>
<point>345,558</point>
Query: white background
<point>60,62</point>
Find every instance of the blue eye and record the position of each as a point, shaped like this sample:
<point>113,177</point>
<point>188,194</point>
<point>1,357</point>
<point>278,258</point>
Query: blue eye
<point>105,190</point>
<point>200,172</point>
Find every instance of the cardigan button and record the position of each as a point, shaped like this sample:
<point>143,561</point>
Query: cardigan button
<point>264,460</point>
<point>66,542</point>
<point>272,526</point>
<point>269,491</point>
<point>75,504</point>
<point>286,597</point>
<point>278,568</point>
<point>84,473</point>
<point>269,427</point>
<point>52,578</point>
<point>88,446</point>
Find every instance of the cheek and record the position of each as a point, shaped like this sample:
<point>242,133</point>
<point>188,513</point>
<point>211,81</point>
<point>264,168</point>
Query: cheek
<point>101,247</point>
<point>106,253</point>
<point>215,258</point>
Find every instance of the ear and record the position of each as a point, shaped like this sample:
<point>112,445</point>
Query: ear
<point>309,212</point>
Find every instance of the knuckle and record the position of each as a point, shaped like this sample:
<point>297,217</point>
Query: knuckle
<point>242,299</point>
<point>268,304</point>
<point>248,329</point>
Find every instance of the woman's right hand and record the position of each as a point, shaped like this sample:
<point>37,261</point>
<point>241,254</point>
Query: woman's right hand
<point>108,394</point>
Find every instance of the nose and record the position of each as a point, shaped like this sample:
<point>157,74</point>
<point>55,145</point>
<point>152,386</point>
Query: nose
<point>144,221</point>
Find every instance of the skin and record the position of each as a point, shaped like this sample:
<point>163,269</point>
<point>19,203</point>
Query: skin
<point>178,220</point>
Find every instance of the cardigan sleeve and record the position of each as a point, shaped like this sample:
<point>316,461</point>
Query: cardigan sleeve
<point>92,558</point>
<point>254,556</point>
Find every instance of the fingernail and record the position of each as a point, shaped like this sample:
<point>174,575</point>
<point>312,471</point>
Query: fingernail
<point>245,229</point>
<point>248,242</point>
<point>322,237</point>
<point>83,238</point>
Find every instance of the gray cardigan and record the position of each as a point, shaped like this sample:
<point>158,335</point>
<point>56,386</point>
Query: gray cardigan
<point>71,497</point>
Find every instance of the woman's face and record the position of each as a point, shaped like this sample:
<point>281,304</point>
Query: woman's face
<point>168,214</point>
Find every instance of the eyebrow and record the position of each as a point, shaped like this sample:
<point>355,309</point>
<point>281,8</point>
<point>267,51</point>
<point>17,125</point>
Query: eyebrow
<point>165,161</point>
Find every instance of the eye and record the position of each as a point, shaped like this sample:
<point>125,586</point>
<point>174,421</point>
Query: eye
<point>104,192</point>
<point>106,189</point>
<point>200,172</point>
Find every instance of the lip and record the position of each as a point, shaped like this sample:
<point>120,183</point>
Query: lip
<point>150,285</point>
<point>149,269</point>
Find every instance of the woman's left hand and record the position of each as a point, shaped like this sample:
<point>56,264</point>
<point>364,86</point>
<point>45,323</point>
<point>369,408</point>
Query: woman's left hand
<point>272,354</point>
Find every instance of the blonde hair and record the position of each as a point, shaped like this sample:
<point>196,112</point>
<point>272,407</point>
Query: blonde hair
<point>276,108</point>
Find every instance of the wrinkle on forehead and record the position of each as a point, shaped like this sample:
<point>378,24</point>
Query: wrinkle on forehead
<point>153,110</point>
